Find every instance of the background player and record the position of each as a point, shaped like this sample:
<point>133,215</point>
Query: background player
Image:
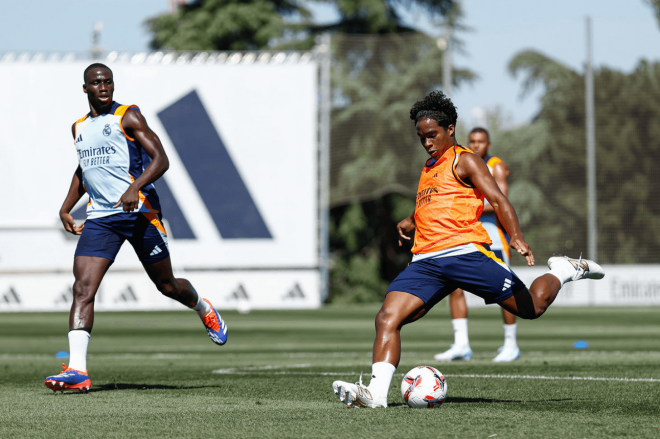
<point>479,142</point>
<point>451,250</point>
<point>119,158</point>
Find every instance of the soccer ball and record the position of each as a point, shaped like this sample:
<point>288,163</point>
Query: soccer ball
<point>424,387</point>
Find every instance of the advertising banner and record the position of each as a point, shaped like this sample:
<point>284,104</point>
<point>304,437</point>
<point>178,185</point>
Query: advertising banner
<point>240,199</point>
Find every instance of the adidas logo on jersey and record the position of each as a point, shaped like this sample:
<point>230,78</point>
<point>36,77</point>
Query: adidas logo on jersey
<point>507,284</point>
<point>155,251</point>
<point>79,139</point>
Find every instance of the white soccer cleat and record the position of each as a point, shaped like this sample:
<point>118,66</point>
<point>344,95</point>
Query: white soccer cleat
<point>507,353</point>
<point>584,268</point>
<point>356,395</point>
<point>455,353</point>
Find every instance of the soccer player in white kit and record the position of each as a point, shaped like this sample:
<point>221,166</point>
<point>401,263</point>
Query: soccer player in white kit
<point>119,158</point>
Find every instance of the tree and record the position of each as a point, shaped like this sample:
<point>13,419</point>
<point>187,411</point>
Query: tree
<point>548,161</point>
<point>225,24</point>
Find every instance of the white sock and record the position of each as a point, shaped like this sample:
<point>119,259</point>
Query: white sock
<point>78,341</point>
<point>460,332</point>
<point>510,335</point>
<point>381,378</point>
<point>563,271</point>
<point>202,307</point>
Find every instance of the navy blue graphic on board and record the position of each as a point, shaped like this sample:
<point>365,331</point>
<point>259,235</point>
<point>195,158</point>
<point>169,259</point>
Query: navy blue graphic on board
<point>211,169</point>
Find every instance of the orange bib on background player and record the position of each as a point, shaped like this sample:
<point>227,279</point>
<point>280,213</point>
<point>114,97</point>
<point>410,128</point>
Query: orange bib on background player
<point>447,209</point>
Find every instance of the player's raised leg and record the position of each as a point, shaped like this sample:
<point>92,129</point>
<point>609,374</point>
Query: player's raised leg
<point>533,302</point>
<point>88,272</point>
<point>460,350</point>
<point>183,292</point>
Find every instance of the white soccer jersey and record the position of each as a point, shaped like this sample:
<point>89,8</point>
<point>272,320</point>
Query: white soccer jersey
<point>110,162</point>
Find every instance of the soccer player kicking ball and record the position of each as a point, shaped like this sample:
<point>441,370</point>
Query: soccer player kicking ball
<point>119,159</point>
<point>479,143</point>
<point>451,250</point>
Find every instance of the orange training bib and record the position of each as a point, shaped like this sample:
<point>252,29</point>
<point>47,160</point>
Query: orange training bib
<point>447,209</point>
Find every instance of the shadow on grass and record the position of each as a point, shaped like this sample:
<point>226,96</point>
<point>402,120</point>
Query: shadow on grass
<point>487,401</point>
<point>495,401</point>
<point>125,386</point>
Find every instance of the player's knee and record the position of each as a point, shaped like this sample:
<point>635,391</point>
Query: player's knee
<point>83,291</point>
<point>167,287</point>
<point>385,319</point>
<point>528,306</point>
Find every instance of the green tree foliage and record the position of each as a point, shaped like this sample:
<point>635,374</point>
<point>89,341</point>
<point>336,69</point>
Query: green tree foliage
<point>548,161</point>
<point>286,24</point>
<point>377,78</point>
<point>365,251</point>
<point>380,16</point>
<point>225,24</point>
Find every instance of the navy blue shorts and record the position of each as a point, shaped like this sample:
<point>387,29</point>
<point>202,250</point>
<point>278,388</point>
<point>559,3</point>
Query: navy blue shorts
<point>103,237</point>
<point>480,273</point>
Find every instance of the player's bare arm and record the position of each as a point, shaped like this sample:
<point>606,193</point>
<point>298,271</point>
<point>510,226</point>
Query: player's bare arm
<point>76,191</point>
<point>135,126</point>
<point>405,227</point>
<point>500,174</point>
<point>474,169</point>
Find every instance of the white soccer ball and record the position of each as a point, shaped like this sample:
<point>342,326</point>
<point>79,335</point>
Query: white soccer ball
<point>424,387</point>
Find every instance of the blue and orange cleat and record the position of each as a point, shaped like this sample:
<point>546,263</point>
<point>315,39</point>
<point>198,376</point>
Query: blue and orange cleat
<point>69,379</point>
<point>215,326</point>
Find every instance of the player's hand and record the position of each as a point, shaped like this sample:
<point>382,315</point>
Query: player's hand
<point>70,224</point>
<point>519,245</point>
<point>130,199</point>
<point>404,228</point>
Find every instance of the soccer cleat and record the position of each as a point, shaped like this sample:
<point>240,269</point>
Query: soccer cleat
<point>69,379</point>
<point>356,395</point>
<point>507,353</point>
<point>584,268</point>
<point>455,353</point>
<point>215,326</point>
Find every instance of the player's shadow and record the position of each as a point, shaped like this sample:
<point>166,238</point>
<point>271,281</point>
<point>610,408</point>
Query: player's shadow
<point>486,401</point>
<point>496,401</point>
<point>126,386</point>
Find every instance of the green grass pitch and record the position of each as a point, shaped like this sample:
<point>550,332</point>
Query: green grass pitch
<point>153,376</point>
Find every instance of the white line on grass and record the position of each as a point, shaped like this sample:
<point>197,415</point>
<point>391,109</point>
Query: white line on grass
<point>264,369</point>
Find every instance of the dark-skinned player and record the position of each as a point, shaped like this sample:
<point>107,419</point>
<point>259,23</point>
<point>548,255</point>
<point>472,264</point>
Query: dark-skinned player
<point>451,250</point>
<point>479,143</point>
<point>119,158</point>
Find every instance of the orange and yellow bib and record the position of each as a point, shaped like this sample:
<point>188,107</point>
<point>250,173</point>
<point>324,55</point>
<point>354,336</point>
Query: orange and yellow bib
<point>447,209</point>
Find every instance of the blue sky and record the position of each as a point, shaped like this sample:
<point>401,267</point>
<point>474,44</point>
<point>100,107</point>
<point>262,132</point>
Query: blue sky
<point>623,33</point>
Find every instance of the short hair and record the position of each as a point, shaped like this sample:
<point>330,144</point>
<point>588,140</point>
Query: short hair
<point>436,106</point>
<point>96,65</point>
<point>480,130</point>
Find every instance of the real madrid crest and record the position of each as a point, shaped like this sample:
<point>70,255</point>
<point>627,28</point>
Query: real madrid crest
<point>107,130</point>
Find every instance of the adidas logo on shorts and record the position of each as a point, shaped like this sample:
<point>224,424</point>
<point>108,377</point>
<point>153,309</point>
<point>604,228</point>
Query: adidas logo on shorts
<point>507,284</point>
<point>155,251</point>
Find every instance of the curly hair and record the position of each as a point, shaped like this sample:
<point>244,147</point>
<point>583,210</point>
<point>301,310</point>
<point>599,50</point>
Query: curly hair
<point>436,106</point>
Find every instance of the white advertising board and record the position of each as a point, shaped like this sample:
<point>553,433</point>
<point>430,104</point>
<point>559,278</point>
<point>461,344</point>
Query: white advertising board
<point>240,198</point>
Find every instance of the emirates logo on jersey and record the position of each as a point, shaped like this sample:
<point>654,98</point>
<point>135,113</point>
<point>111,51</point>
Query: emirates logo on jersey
<point>107,130</point>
